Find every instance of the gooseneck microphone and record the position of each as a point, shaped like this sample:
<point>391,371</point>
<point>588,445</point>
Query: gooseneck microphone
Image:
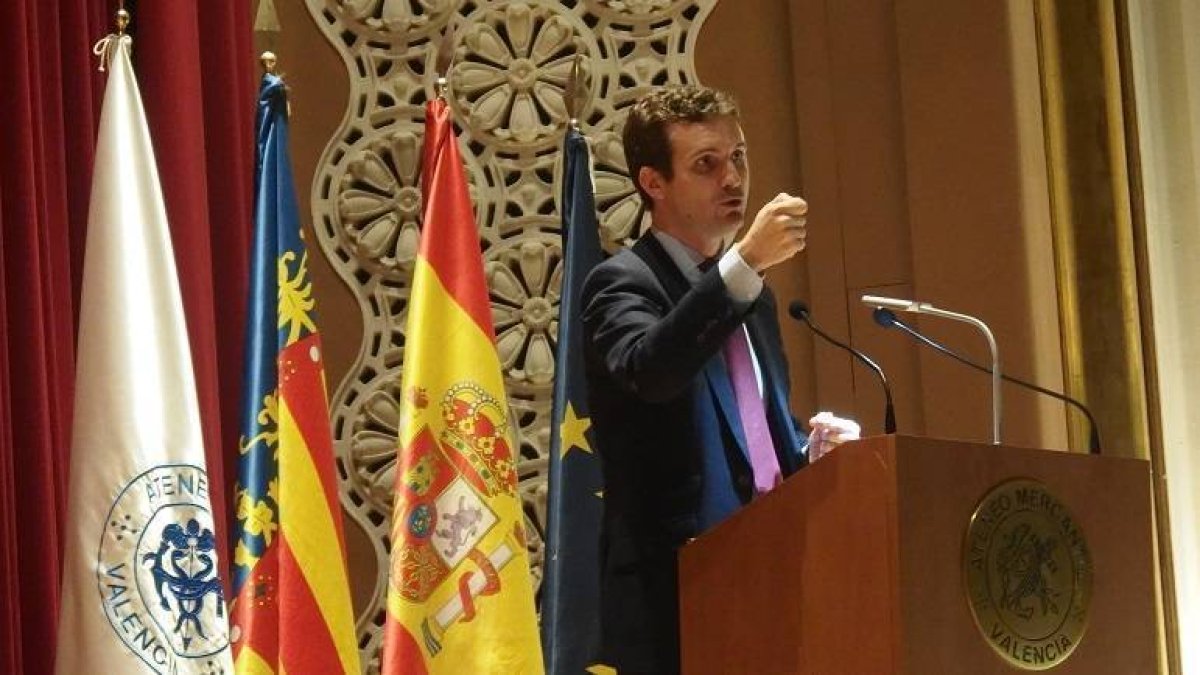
<point>799,311</point>
<point>888,319</point>
<point>926,308</point>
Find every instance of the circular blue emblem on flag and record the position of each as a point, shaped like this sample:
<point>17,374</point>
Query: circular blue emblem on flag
<point>157,571</point>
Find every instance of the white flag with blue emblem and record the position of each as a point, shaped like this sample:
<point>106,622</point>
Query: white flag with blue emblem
<point>141,584</point>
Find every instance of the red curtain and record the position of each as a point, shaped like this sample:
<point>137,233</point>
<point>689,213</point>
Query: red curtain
<point>196,69</point>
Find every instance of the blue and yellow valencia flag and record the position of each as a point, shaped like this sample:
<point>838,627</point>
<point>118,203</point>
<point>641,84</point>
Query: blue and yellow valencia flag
<point>570,589</point>
<point>291,610</point>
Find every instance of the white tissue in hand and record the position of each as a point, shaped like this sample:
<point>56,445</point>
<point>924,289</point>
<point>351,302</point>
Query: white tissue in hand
<point>835,429</point>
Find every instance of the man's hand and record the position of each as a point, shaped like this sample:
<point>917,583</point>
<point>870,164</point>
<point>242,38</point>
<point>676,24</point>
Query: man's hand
<point>828,432</point>
<point>777,233</point>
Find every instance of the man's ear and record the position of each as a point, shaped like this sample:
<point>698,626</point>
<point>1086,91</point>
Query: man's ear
<point>652,182</point>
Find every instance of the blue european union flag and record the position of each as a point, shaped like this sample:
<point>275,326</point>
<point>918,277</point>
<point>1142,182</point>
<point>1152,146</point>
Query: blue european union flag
<point>571,585</point>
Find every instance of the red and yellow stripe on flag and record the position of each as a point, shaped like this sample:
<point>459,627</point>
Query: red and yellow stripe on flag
<point>460,596</point>
<point>310,590</point>
<point>291,611</point>
<point>314,586</point>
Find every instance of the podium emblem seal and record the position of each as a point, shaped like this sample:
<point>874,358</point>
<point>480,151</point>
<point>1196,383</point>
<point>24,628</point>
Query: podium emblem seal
<point>1028,575</point>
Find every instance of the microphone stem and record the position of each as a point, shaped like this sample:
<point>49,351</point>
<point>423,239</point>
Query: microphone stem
<point>889,415</point>
<point>987,333</point>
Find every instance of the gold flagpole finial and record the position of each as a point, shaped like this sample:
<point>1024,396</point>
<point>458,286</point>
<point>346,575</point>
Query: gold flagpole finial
<point>270,64</point>
<point>444,59</point>
<point>122,19</point>
<point>571,93</point>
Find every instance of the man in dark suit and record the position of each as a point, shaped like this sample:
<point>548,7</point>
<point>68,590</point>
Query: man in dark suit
<point>686,373</point>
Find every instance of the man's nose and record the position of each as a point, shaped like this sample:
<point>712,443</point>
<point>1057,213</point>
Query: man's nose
<point>732,177</point>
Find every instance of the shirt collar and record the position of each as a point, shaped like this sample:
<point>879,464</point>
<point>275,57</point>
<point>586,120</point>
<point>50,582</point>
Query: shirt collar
<point>686,258</point>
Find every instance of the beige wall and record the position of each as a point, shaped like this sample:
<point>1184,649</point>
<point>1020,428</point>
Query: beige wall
<point>918,138</point>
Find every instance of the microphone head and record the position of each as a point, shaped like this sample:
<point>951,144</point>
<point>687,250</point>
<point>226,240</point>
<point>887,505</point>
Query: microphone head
<point>884,317</point>
<point>798,309</point>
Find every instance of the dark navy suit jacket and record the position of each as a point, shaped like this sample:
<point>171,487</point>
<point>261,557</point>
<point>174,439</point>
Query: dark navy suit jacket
<point>668,432</point>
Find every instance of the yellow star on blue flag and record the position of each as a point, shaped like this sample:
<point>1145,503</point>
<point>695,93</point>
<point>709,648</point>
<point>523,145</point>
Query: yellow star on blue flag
<point>572,432</point>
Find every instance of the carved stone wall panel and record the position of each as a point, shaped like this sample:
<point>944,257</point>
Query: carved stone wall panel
<point>511,64</point>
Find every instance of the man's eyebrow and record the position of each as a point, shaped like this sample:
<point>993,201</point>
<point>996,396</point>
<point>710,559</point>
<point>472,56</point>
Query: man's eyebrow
<point>741,145</point>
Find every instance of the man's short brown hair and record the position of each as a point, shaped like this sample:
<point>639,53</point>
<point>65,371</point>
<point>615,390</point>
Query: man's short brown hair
<point>645,134</point>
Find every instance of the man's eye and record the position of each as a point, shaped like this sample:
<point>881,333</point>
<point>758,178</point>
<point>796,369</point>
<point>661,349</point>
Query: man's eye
<point>739,157</point>
<point>704,163</point>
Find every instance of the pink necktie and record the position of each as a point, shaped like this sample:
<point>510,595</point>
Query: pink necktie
<point>763,461</point>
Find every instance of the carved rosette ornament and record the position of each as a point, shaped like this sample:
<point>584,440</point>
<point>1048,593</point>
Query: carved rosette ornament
<point>511,64</point>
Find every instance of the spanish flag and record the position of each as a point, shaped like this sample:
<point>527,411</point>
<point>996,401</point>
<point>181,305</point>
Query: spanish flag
<point>460,597</point>
<point>291,610</point>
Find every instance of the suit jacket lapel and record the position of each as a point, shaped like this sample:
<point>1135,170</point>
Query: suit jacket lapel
<point>676,285</point>
<point>722,390</point>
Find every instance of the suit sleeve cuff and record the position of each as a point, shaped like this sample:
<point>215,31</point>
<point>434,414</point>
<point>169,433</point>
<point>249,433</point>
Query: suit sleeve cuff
<point>741,281</point>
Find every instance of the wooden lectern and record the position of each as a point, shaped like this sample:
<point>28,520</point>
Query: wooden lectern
<point>856,565</point>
